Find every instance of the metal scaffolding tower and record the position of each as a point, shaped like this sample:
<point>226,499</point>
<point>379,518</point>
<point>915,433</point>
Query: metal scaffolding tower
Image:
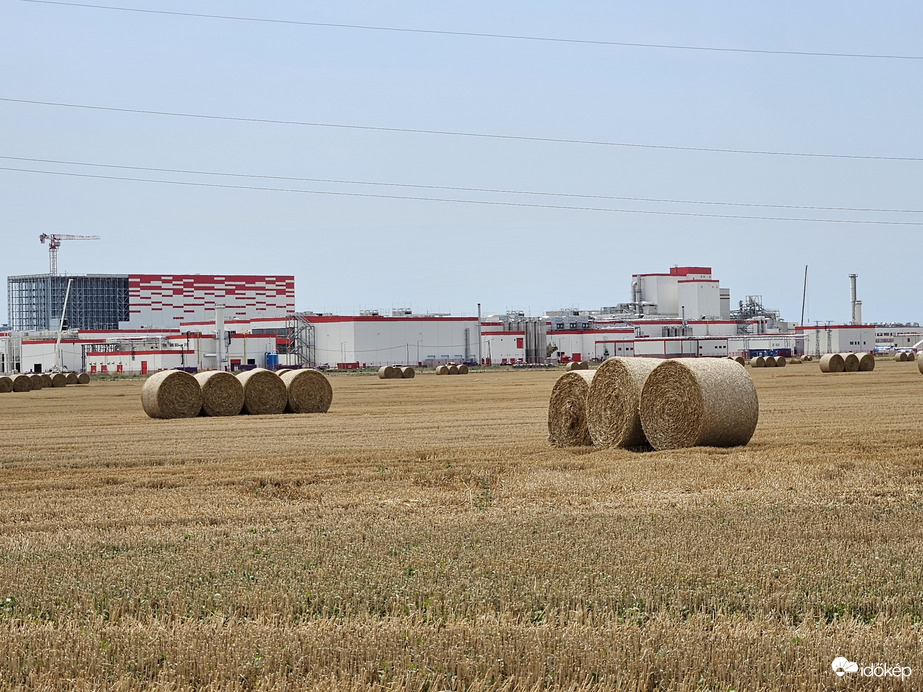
<point>301,340</point>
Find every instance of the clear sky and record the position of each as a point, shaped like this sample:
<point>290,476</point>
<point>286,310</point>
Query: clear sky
<point>371,246</point>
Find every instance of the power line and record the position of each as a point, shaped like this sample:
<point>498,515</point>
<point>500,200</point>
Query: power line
<point>463,201</point>
<point>474,34</point>
<point>462,189</point>
<point>453,133</point>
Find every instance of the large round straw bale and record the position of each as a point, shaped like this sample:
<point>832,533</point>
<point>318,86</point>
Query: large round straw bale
<point>866,362</point>
<point>6,384</point>
<point>577,365</point>
<point>37,382</point>
<point>612,402</point>
<point>408,373</point>
<point>832,362</point>
<point>46,380</point>
<point>567,410</point>
<point>283,371</point>
<point>741,360</point>
<point>308,391</point>
<point>920,364</point>
<point>850,362</point>
<point>59,379</point>
<point>698,402</point>
<point>442,370</point>
<point>83,378</point>
<point>171,394</point>
<point>72,378</point>
<point>453,369</point>
<point>911,355</point>
<point>462,369</point>
<point>22,383</point>
<point>386,372</point>
<point>758,362</point>
<point>769,361</point>
<point>264,392</point>
<point>781,361</point>
<point>900,356</point>
<point>222,393</point>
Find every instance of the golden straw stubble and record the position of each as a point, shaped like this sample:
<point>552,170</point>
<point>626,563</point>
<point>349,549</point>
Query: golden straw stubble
<point>171,394</point>
<point>264,392</point>
<point>308,391</point>
<point>612,402</point>
<point>567,410</point>
<point>222,393</point>
<point>698,402</point>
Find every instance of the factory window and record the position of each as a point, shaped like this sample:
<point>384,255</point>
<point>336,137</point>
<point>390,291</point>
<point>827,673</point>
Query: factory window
<point>573,325</point>
<point>559,325</point>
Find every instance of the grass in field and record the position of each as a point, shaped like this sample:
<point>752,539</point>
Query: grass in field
<point>424,535</point>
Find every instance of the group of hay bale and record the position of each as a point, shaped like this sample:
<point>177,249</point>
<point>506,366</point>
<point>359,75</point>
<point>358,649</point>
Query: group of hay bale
<point>768,362</point>
<point>847,362</point>
<point>577,365</point>
<point>396,372</point>
<point>904,356</point>
<point>643,403</point>
<point>177,394</point>
<point>30,382</point>
<point>452,369</point>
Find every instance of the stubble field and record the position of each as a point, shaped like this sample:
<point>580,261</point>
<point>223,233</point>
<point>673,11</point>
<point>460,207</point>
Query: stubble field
<point>423,534</point>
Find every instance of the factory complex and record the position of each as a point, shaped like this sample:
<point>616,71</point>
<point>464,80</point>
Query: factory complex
<point>135,324</point>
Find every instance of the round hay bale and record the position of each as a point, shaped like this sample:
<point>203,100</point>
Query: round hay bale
<point>900,357</point>
<point>264,392</point>
<point>741,360</point>
<point>386,372</point>
<point>37,382</point>
<point>462,369</point>
<point>408,373</point>
<point>577,365</point>
<point>698,402</point>
<point>769,361</point>
<point>72,378</point>
<point>59,379</point>
<point>283,371</point>
<point>442,370</point>
<point>758,362</point>
<point>46,380</point>
<point>171,394</point>
<point>920,365</point>
<point>911,356</point>
<point>83,378</point>
<point>866,362</point>
<point>453,369</point>
<point>794,361</point>
<point>6,384</point>
<point>781,361</point>
<point>222,393</point>
<point>308,391</point>
<point>22,383</point>
<point>807,359</point>
<point>850,362</point>
<point>832,362</point>
<point>612,402</point>
<point>567,410</point>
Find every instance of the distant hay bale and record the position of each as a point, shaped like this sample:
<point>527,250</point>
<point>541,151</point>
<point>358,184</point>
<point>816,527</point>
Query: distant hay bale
<point>832,362</point>
<point>171,394</point>
<point>222,393</point>
<point>741,360</point>
<point>453,369</point>
<point>22,383</point>
<point>612,402</point>
<point>264,392</point>
<point>911,355</point>
<point>807,359</point>
<point>900,356</point>
<point>308,391</point>
<point>72,378</point>
<point>46,380</point>
<point>698,402</point>
<point>442,370</point>
<point>386,372</point>
<point>577,365</point>
<point>462,369</point>
<point>758,362</point>
<point>794,361</point>
<point>769,361</point>
<point>37,382</point>
<point>567,410</point>
<point>866,362</point>
<point>781,361</point>
<point>408,373</point>
<point>59,379</point>
<point>283,371</point>
<point>850,362</point>
<point>6,384</point>
<point>83,378</point>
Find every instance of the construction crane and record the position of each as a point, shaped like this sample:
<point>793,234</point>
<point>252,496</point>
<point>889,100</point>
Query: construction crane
<point>54,242</point>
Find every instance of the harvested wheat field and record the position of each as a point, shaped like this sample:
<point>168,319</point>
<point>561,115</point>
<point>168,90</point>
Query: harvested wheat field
<point>430,537</point>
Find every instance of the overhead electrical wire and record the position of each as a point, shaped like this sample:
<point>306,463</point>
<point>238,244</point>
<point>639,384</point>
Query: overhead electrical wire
<point>494,203</point>
<point>475,34</point>
<point>456,133</point>
<point>454,188</point>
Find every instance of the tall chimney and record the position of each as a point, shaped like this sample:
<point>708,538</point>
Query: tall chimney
<point>853,317</point>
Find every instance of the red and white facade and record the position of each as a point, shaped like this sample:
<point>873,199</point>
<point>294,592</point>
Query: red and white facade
<point>157,300</point>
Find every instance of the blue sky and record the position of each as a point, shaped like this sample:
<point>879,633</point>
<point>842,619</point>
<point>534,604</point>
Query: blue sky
<point>351,252</point>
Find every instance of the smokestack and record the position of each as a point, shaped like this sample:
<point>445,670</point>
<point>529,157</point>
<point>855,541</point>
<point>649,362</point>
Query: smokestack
<point>853,318</point>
